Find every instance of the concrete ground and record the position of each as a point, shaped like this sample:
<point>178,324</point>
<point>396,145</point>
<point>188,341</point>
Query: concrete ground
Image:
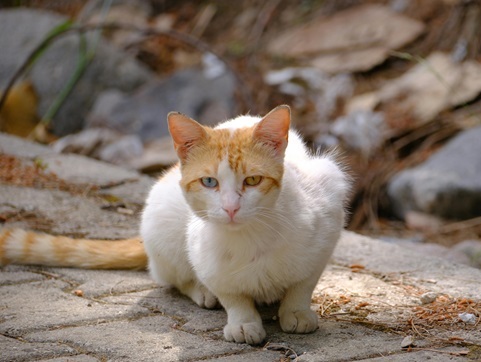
<point>372,296</point>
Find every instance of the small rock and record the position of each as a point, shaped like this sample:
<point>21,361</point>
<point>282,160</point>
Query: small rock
<point>361,131</point>
<point>428,297</point>
<point>472,248</point>
<point>422,222</point>
<point>467,318</point>
<point>408,341</point>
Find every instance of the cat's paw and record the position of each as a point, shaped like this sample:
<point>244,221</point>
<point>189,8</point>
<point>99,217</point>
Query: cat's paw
<point>303,321</point>
<point>251,333</point>
<point>205,299</point>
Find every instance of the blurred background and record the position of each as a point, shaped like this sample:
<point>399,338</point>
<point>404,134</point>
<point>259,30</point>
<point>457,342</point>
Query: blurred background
<point>393,84</point>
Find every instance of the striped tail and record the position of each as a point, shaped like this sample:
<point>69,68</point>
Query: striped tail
<point>19,246</point>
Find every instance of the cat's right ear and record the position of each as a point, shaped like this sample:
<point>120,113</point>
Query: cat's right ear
<point>186,133</point>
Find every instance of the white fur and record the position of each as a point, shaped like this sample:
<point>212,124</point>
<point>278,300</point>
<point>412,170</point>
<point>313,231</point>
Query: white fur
<point>276,251</point>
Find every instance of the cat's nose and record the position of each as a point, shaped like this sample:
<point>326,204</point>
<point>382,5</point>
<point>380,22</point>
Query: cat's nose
<point>231,211</point>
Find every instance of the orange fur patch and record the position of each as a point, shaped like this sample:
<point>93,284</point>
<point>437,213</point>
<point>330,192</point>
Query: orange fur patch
<point>4,235</point>
<point>26,247</point>
<point>28,241</point>
<point>245,156</point>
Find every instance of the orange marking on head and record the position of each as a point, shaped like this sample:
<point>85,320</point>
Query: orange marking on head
<point>269,185</point>
<point>246,156</point>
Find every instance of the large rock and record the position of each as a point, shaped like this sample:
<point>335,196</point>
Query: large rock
<point>353,40</point>
<point>448,184</point>
<point>419,95</point>
<point>192,91</point>
<point>23,29</point>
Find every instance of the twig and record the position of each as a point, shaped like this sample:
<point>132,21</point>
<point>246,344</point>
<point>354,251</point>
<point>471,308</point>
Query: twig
<point>203,20</point>
<point>262,21</point>
<point>460,225</point>
<point>86,55</point>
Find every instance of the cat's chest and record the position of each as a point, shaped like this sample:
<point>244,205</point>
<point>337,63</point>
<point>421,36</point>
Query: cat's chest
<point>235,265</point>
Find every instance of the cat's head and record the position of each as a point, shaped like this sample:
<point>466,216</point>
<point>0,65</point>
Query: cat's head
<point>232,174</point>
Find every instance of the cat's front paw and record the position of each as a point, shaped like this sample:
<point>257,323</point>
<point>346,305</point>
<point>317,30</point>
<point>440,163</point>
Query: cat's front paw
<point>251,333</point>
<point>202,296</point>
<point>303,321</point>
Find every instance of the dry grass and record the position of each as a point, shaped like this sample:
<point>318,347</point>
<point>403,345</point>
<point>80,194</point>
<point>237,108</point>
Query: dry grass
<point>14,171</point>
<point>423,321</point>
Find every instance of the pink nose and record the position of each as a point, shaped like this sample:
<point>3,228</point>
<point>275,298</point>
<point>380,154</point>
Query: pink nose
<point>231,211</point>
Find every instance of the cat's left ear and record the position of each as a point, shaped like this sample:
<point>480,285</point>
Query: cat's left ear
<point>186,133</point>
<point>273,129</point>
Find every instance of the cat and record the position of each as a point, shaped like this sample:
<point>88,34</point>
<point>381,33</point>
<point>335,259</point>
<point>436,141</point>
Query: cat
<point>248,216</point>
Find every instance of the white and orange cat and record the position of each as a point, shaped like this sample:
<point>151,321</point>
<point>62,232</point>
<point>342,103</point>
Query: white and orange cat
<point>249,216</point>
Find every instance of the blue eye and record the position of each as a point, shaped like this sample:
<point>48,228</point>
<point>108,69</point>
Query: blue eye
<point>209,181</point>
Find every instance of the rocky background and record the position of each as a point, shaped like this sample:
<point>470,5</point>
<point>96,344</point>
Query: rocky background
<point>394,84</point>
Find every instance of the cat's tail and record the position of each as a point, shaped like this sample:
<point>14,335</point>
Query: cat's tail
<point>19,246</point>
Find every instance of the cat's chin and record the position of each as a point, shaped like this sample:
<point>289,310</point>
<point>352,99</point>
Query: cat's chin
<point>231,225</point>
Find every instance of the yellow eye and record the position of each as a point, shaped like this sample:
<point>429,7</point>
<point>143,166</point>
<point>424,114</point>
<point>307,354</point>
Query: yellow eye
<point>252,180</point>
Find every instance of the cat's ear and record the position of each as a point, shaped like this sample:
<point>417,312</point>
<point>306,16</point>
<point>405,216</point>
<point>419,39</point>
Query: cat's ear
<point>273,129</point>
<point>186,133</point>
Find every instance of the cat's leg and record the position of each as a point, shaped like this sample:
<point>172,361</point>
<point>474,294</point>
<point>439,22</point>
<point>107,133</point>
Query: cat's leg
<point>295,313</point>
<point>181,276</point>
<point>244,324</point>
<point>199,294</point>
<point>165,216</point>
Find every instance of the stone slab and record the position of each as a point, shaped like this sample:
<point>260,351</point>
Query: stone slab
<point>14,275</point>
<point>79,358</point>
<point>18,147</point>
<point>98,283</point>
<point>59,212</point>
<point>146,339</point>
<point>169,302</point>
<point>435,274</point>
<point>336,341</point>
<point>18,350</point>
<point>442,356</point>
<point>49,304</point>
<point>79,169</point>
